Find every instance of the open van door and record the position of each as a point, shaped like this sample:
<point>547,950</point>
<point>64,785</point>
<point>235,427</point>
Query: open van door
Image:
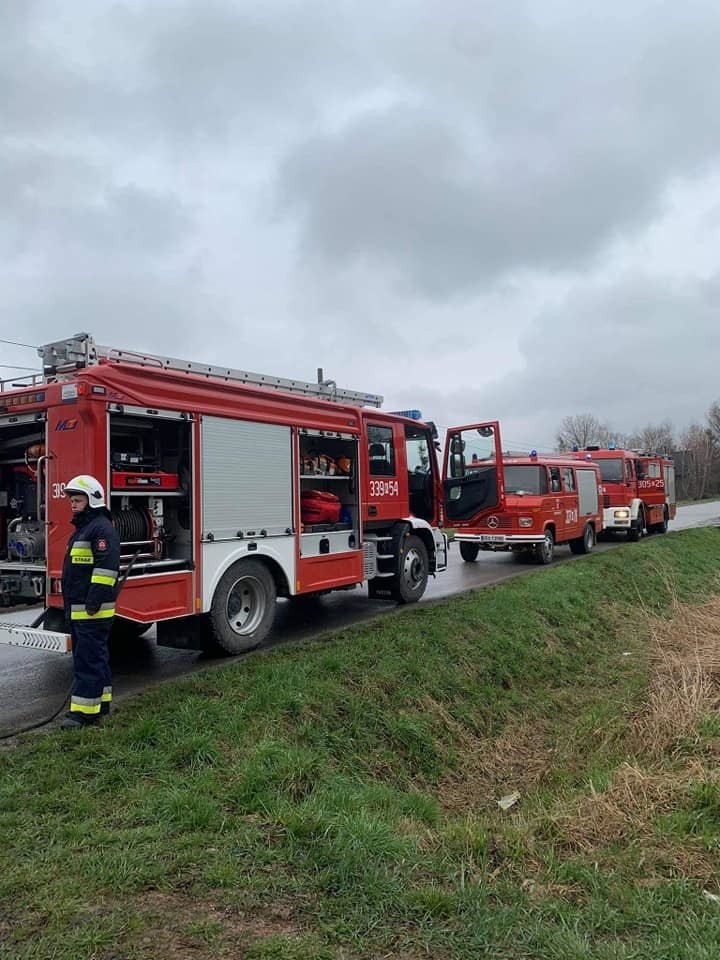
<point>473,472</point>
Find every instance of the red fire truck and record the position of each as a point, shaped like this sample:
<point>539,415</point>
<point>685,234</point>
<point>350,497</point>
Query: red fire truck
<point>229,489</point>
<point>638,489</point>
<point>527,504</point>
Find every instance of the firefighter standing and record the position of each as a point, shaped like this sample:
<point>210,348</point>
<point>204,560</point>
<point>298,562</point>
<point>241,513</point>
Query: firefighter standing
<point>89,578</point>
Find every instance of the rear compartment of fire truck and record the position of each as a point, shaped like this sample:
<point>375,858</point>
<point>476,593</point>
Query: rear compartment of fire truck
<point>149,497</point>
<point>22,511</point>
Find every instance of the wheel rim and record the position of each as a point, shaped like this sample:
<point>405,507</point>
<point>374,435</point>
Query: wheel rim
<point>589,538</point>
<point>413,569</point>
<point>245,606</point>
<point>547,547</point>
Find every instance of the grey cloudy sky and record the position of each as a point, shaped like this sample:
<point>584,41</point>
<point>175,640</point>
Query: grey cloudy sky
<point>501,210</point>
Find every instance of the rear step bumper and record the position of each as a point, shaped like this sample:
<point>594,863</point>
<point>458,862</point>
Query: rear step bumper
<point>17,635</point>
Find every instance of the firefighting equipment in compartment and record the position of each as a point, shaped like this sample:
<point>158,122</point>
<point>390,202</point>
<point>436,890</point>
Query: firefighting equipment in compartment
<point>22,493</point>
<point>89,578</point>
<point>88,485</point>
<point>32,455</point>
<point>159,480</point>
<point>317,506</point>
<point>316,463</point>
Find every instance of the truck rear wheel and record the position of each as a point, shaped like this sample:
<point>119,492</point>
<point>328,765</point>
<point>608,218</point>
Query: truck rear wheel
<point>243,606</point>
<point>410,581</point>
<point>469,551</point>
<point>586,542</point>
<point>662,527</point>
<point>544,551</point>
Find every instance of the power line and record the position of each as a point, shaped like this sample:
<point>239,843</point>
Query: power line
<point>14,343</point>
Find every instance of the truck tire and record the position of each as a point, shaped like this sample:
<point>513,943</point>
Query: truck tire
<point>586,542</point>
<point>469,551</point>
<point>544,551</point>
<point>243,607</point>
<point>636,530</point>
<point>413,567</point>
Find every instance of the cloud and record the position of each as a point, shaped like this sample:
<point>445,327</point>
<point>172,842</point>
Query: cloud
<point>500,210</point>
<point>523,145</point>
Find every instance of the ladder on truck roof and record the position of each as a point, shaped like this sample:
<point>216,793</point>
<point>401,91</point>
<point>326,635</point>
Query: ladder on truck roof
<point>74,353</point>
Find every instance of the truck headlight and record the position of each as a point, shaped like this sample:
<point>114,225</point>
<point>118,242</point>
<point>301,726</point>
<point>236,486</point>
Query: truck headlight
<point>525,521</point>
<point>621,514</point>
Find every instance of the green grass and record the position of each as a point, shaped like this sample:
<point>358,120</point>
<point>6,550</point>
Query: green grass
<point>337,799</point>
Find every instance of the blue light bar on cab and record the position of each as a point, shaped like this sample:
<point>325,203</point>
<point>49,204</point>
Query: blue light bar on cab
<point>411,414</point>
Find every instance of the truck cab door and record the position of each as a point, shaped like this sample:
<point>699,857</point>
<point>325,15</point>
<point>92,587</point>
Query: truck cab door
<point>473,472</point>
<point>629,480</point>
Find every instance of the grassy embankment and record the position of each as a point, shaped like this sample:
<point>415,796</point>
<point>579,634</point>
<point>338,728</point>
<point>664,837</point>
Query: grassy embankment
<point>340,799</point>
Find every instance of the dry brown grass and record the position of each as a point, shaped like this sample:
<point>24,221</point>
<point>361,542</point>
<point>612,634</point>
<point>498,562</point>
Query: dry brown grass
<point>664,741</point>
<point>514,761</point>
<point>685,684</point>
<point>173,921</point>
<point>622,812</point>
<point>665,759</point>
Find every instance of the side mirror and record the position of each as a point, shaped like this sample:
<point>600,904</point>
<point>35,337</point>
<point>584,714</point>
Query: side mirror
<point>457,466</point>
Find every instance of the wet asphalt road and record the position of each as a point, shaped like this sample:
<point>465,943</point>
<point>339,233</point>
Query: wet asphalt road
<point>33,683</point>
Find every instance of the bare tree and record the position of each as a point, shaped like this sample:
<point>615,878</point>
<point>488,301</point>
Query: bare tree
<point>582,430</point>
<point>713,421</point>
<point>654,438</point>
<point>713,424</point>
<point>694,463</point>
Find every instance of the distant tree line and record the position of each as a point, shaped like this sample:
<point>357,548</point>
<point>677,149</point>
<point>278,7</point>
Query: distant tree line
<point>696,450</point>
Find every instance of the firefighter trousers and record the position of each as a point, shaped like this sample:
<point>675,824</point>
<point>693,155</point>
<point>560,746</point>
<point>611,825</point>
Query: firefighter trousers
<point>92,688</point>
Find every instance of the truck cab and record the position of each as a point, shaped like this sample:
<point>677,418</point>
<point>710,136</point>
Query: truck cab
<point>638,490</point>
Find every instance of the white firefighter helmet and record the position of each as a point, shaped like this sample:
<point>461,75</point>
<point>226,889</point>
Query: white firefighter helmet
<point>88,485</point>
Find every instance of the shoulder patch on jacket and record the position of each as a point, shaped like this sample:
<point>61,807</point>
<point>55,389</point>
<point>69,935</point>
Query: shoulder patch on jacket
<point>102,544</point>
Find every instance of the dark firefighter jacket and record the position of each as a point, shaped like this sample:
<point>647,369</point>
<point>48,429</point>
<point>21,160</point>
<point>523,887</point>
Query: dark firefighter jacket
<point>91,567</point>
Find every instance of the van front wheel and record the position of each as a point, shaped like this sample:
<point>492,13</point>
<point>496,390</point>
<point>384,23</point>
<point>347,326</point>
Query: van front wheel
<point>469,551</point>
<point>544,551</point>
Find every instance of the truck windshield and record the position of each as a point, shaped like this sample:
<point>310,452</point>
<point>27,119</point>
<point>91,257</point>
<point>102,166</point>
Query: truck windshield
<point>611,470</point>
<point>528,480</point>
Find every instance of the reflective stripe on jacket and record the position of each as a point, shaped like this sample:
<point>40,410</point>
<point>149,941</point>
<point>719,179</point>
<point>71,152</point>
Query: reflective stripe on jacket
<point>91,567</point>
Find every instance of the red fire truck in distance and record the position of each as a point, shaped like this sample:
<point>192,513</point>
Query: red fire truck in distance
<point>229,489</point>
<point>527,504</point>
<point>638,489</point>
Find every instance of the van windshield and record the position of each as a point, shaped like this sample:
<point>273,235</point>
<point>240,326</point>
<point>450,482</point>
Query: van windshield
<point>529,480</point>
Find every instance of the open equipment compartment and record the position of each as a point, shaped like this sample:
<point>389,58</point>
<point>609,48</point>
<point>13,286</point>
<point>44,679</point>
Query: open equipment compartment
<point>151,488</point>
<point>22,508</point>
<point>328,467</point>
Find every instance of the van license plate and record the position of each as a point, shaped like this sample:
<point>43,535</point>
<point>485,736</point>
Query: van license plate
<point>489,538</point>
